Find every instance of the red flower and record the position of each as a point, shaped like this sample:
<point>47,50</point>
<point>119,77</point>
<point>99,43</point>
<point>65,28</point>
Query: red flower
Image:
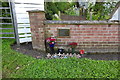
<point>81,51</point>
<point>51,40</point>
<point>73,43</point>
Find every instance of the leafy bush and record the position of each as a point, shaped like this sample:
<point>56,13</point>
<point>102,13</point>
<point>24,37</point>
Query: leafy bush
<point>52,8</point>
<point>101,10</point>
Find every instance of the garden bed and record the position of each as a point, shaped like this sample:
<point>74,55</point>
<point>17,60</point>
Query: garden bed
<point>27,49</point>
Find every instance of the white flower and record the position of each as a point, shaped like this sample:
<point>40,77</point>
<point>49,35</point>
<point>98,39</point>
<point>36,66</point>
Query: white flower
<point>52,42</point>
<point>48,40</point>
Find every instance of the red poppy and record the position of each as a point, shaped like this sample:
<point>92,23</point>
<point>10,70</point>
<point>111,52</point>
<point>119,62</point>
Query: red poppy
<point>51,40</point>
<point>73,43</point>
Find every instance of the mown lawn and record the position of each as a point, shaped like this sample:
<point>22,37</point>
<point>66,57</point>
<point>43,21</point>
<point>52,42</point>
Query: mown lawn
<point>29,67</point>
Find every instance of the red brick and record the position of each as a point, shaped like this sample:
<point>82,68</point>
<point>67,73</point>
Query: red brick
<point>113,31</point>
<point>104,31</point>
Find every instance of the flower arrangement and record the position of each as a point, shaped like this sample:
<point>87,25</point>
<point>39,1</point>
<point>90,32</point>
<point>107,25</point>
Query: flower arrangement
<point>51,41</point>
<point>73,45</point>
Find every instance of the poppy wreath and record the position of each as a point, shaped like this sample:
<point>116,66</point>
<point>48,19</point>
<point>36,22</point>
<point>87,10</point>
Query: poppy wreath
<point>73,45</point>
<point>51,41</point>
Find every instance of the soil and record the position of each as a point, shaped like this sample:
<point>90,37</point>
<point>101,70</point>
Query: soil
<point>27,49</point>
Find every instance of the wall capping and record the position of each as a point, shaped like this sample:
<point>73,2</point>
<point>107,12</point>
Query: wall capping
<point>37,10</point>
<point>82,22</point>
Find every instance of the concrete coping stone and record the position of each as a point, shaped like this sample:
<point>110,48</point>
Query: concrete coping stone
<point>36,10</point>
<point>82,22</point>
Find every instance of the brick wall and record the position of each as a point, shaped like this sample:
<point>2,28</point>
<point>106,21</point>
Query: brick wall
<point>91,36</point>
<point>37,29</point>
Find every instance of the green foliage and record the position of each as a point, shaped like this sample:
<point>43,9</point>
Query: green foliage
<point>70,12</point>
<point>68,68</point>
<point>5,4</point>
<point>52,8</point>
<point>5,12</point>
<point>11,59</point>
<point>54,18</point>
<point>101,10</point>
<point>7,31</point>
<point>62,6</point>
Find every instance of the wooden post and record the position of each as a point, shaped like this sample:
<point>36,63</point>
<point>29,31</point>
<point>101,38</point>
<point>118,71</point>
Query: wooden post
<point>14,21</point>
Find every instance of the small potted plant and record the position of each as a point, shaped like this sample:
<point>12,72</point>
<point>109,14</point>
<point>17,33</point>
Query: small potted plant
<point>51,42</point>
<point>73,45</point>
<point>60,50</point>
